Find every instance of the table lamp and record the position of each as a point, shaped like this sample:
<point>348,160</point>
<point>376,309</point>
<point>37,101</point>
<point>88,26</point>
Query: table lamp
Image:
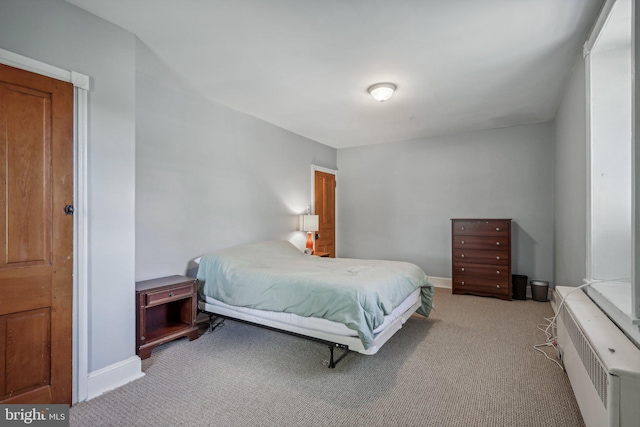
<point>309,223</point>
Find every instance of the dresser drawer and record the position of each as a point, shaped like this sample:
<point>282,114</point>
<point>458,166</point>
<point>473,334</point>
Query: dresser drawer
<point>480,242</point>
<point>466,269</point>
<point>478,256</point>
<point>161,297</point>
<point>481,284</point>
<point>484,228</point>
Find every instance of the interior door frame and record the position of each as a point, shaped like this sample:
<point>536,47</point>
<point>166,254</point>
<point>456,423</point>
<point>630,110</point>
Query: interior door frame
<point>334,172</point>
<point>80,315</point>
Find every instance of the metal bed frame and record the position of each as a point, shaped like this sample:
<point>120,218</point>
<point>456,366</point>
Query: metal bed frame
<point>340,342</point>
<point>331,345</point>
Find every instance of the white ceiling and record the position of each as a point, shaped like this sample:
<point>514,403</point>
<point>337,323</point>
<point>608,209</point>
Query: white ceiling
<point>305,65</point>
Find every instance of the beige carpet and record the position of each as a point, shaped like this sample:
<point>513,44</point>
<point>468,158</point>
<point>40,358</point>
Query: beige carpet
<point>470,364</point>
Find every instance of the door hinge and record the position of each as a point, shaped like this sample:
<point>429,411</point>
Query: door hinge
<point>68,210</point>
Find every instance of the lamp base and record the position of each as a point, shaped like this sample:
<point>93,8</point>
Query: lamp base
<point>309,242</point>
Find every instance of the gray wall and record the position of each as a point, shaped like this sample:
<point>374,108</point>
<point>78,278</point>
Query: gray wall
<point>60,34</point>
<point>395,200</point>
<point>209,177</point>
<point>570,196</point>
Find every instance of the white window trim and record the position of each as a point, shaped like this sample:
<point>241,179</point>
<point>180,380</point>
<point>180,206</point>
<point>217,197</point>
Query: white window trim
<point>81,85</point>
<point>626,321</point>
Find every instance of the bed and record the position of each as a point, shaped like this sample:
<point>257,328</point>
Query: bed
<point>351,304</point>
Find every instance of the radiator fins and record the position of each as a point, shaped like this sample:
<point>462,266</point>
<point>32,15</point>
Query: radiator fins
<point>597,373</point>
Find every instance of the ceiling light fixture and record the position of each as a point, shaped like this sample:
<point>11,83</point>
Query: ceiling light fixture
<point>382,91</point>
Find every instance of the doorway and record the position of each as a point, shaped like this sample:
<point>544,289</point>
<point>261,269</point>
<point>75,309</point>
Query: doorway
<point>324,196</point>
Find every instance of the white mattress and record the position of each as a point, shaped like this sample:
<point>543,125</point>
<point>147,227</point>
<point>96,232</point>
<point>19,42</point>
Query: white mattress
<point>316,323</point>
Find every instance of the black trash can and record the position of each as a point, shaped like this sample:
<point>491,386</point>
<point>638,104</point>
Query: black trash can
<point>539,290</point>
<point>519,283</point>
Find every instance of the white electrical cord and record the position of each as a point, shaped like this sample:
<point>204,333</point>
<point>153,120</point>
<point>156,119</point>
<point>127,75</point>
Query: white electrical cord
<point>552,340</point>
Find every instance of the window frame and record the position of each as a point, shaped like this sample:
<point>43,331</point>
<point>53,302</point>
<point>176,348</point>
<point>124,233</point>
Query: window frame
<point>601,292</point>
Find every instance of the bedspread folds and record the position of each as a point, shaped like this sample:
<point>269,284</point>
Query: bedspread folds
<point>276,276</point>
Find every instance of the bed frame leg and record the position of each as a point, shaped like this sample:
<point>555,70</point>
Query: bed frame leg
<point>210,322</point>
<point>212,326</point>
<point>332,362</point>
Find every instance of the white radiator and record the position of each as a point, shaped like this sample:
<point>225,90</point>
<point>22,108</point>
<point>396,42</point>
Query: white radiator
<point>602,364</point>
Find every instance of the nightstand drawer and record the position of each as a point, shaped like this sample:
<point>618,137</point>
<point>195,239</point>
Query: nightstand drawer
<point>162,297</point>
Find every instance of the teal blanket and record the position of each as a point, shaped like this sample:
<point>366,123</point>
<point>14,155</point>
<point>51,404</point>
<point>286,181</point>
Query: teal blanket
<point>276,276</point>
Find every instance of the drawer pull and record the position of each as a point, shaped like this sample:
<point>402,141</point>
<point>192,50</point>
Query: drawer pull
<point>462,256</point>
<point>498,286</point>
<point>171,295</point>
<point>497,243</point>
<point>462,283</point>
<point>462,269</point>
<point>498,258</point>
<point>497,228</point>
<point>498,272</point>
<point>462,242</point>
<point>461,228</point>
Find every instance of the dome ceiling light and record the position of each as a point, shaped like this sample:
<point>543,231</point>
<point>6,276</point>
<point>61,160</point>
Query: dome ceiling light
<point>382,91</point>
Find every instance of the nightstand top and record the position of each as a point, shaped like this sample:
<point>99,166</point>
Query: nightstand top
<point>160,282</point>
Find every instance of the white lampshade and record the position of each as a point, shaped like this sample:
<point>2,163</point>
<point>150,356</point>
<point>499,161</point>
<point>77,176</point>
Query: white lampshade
<point>382,91</point>
<point>309,222</point>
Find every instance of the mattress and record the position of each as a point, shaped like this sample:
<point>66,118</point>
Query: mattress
<point>316,323</point>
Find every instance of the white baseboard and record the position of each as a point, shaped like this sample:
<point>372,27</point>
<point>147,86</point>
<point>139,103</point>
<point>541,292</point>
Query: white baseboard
<point>441,282</point>
<point>114,376</point>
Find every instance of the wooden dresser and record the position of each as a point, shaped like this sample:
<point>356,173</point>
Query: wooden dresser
<point>481,257</point>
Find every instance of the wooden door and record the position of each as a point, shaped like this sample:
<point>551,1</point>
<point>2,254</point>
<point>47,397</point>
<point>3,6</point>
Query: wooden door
<point>325,206</point>
<point>36,238</point>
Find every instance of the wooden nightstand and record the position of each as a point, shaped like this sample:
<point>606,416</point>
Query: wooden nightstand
<point>165,310</point>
